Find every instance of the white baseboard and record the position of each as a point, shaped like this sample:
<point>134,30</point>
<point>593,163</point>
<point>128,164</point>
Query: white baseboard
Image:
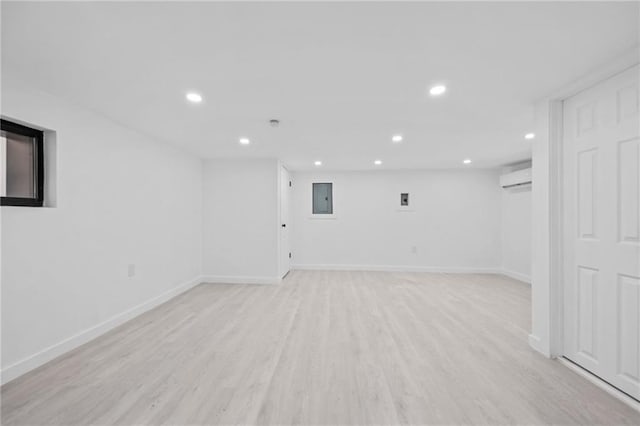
<point>391,268</point>
<point>435,269</point>
<point>231,279</point>
<point>536,344</point>
<point>36,360</point>
<point>516,276</point>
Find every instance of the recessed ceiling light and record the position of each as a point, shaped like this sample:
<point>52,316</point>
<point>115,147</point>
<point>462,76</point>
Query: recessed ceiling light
<point>244,141</point>
<point>438,90</point>
<point>196,98</point>
<point>530,136</point>
<point>467,161</point>
<point>377,162</point>
<point>396,138</point>
<point>318,163</point>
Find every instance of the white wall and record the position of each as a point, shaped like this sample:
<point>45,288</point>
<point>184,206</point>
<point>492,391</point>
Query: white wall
<point>454,225</point>
<point>516,230</point>
<point>241,221</point>
<point>541,288</point>
<point>122,199</point>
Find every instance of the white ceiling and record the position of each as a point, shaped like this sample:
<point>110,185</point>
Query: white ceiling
<point>341,77</point>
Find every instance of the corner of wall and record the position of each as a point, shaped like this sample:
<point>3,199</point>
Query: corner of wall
<point>516,275</point>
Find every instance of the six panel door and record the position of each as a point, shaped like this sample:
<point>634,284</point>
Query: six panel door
<point>601,244</point>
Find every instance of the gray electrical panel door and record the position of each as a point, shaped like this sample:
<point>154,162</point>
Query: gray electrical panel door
<point>322,198</point>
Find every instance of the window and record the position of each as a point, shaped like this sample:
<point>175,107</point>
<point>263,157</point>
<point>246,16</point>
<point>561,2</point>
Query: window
<point>322,198</point>
<point>21,165</point>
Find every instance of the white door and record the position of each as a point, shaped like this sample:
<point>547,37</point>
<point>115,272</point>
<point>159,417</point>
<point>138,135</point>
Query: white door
<point>601,160</point>
<point>285,226</point>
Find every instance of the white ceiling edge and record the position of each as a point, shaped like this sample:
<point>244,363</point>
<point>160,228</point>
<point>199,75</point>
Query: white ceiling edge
<point>607,69</point>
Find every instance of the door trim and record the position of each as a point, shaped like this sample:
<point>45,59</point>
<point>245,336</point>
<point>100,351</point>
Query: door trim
<point>556,229</point>
<point>280,185</point>
<point>556,225</point>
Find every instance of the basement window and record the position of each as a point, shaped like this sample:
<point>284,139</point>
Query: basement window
<point>322,198</point>
<point>21,165</point>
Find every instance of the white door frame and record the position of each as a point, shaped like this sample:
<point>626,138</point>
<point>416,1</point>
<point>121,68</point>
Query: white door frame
<point>281,185</point>
<point>556,225</point>
<point>556,228</point>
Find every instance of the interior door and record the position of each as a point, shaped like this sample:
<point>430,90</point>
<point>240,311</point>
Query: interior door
<point>601,244</point>
<point>285,225</point>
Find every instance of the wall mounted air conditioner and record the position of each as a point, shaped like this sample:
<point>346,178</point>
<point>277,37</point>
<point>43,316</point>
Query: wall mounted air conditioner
<point>515,179</point>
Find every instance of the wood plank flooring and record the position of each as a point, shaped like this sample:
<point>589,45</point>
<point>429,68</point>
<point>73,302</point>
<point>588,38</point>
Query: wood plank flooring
<point>321,348</point>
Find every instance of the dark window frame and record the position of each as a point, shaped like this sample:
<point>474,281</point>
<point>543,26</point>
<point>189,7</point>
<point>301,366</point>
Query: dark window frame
<point>38,168</point>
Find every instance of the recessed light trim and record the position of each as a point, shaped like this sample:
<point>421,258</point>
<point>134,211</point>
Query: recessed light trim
<point>437,90</point>
<point>466,161</point>
<point>194,97</point>
<point>317,163</point>
<point>377,162</point>
<point>396,138</point>
<point>530,136</point>
<point>244,141</point>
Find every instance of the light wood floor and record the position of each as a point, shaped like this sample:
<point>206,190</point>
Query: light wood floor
<point>322,348</point>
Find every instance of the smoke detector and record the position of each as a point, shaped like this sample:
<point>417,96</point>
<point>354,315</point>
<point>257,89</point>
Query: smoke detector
<point>274,122</point>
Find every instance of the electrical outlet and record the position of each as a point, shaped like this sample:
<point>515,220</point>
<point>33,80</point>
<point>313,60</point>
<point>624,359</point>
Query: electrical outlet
<point>131,270</point>
<point>414,249</point>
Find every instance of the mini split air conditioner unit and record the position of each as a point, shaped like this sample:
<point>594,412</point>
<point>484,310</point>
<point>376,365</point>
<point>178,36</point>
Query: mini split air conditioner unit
<point>516,179</point>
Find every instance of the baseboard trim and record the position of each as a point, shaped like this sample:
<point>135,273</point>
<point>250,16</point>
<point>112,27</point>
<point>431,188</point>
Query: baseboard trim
<point>516,276</point>
<point>611,390</point>
<point>435,269</point>
<point>231,279</point>
<point>34,361</point>
<point>536,343</point>
<point>390,268</point>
